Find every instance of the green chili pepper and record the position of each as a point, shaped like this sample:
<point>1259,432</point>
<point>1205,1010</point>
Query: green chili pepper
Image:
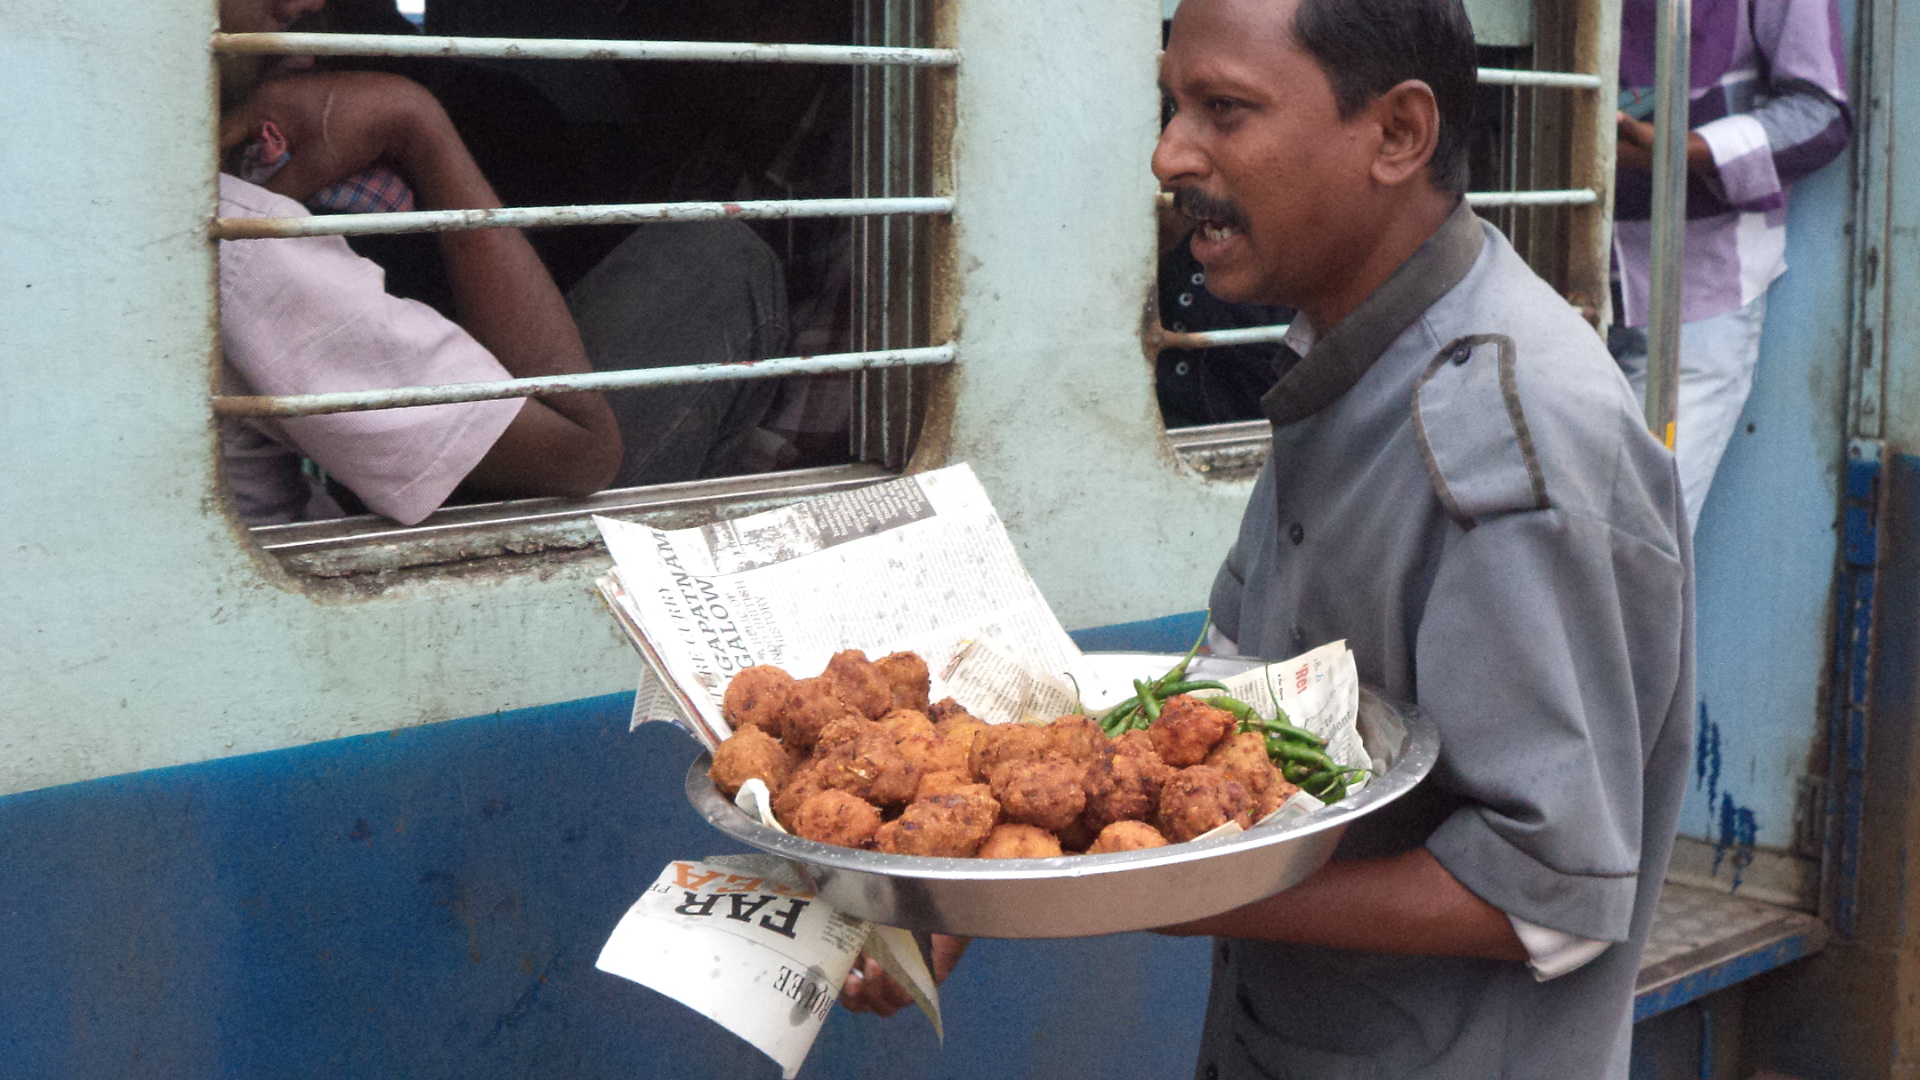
<point>1149,704</point>
<point>1188,687</point>
<point>1292,751</point>
<point>1178,672</point>
<point>1288,731</point>
<point>1243,713</point>
<point>1115,722</point>
<point>1296,772</point>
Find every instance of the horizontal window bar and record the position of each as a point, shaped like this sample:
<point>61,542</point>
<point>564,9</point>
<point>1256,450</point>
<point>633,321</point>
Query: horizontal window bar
<point>1514,77</point>
<point>1549,197</point>
<point>409,396</point>
<point>504,48</point>
<point>523,217</point>
<point>1213,339</point>
<point>1564,197</point>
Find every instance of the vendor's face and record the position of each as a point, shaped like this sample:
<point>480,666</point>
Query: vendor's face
<point>239,74</point>
<point>1257,153</point>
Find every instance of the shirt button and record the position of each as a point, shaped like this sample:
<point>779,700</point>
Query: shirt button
<point>1178,328</point>
<point>1200,278</point>
<point>1295,533</point>
<point>1460,355</point>
<point>1186,299</point>
<point>1181,368</point>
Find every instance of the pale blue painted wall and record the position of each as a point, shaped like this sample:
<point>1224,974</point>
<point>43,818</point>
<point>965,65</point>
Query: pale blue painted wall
<point>1766,544</point>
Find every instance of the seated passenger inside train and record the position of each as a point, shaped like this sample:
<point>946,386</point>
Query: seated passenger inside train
<point>311,315</point>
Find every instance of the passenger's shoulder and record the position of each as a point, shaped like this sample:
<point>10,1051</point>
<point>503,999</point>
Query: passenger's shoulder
<point>239,198</point>
<point>1522,408</point>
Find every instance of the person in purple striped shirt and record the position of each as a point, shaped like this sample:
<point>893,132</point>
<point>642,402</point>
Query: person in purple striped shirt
<point>1769,106</point>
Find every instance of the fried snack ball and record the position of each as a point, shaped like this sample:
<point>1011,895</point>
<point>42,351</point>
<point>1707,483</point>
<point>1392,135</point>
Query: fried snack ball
<point>841,730</point>
<point>946,707</point>
<point>813,705</point>
<point>931,753</point>
<point>950,783</point>
<point>837,817</point>
<point>901,723</point>
<point>1127,836</point>
<point>1046,792</point>
<point>871,767</point>
<point>961,730</point>
<point>1001,743</point>
<point>1200,798</point>
<point>859,683</point>
<point>1273,798</point>
<point>1076,737</point>
<point>907,678</point>
<point>1018,842</point>
<point>756,697</point>
<point>1187,730</point>
<point>1136,743</point>
<point>747,754</point>
<point>1125,786</point>
<point>948,826</point>
<point>802,784</point>
<point>1243,756</point>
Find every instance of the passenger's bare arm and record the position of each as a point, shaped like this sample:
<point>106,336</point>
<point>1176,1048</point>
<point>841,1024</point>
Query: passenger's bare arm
<point>339,123</point>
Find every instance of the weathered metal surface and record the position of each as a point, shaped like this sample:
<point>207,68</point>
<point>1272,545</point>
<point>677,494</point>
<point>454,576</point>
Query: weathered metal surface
<point>1212,339</point>
<point>408,396</point>
<point>1673,45</point>
<point>1495,22</point>
<point>1595,142</point>
<point>1487,200</point>
<point>1493,199</point>
<point>1562,80</point>
<point>1052,400</point>
<point>1705,941</point>
<point>491,48</point>
<point>528,217</point>
<point>1852,681</point>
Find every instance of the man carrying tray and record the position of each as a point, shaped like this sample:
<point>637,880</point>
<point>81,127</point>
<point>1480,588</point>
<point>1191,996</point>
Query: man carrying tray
<point>1459,486</point>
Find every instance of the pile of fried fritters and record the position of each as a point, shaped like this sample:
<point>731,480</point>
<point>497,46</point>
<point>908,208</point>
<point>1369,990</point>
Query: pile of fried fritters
<point>858,757</point>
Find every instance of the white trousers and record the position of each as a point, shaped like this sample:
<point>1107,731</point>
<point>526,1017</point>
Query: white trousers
<point>1717,358</point>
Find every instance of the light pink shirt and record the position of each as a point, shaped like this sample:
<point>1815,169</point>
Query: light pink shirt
<point>306,315</point>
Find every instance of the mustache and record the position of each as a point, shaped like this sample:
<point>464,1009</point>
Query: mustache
<point>1200,206</point>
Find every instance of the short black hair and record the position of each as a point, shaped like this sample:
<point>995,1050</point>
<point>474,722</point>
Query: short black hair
<point>1367,47</point>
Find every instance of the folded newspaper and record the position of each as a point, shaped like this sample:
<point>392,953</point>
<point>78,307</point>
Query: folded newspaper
<point>921,563</point>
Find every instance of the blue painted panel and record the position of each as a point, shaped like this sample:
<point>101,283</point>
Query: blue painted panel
<point>429,903</point>
<point>1168,634</point>
<point>1766,545</point>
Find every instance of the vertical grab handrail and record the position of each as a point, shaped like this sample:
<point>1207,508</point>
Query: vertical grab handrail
<point>1673,44</point>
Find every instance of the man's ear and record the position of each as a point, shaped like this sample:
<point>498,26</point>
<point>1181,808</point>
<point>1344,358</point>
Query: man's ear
<point>1409,120</point>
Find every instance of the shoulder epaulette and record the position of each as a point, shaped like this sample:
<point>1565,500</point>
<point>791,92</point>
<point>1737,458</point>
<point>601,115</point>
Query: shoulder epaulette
<point>1473,432</point>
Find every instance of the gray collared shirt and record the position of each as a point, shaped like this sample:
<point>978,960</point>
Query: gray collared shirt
<point>1460,487</point>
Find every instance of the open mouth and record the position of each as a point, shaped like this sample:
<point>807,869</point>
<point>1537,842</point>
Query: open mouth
<point>1217,221</point>
<point>1217,232</point>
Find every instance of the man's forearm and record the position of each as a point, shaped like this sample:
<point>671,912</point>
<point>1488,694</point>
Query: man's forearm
<point>1403,904</point>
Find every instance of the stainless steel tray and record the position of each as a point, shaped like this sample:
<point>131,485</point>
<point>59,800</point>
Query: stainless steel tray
<point>1085,895</point>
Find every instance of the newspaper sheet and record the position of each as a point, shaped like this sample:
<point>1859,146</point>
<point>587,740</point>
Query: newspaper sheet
<point>1317,690</point>
<point>922,563</point>
<point>742,940</point>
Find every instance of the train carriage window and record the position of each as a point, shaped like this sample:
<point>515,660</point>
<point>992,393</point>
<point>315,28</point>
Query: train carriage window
<point>617,133</point>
